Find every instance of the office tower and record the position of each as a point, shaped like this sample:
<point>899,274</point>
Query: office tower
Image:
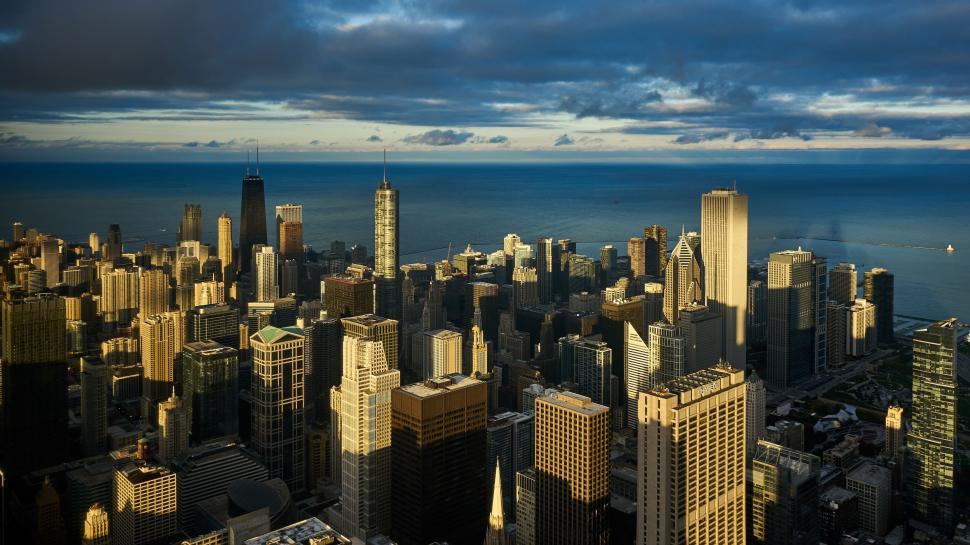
<point>365,437</point>
<point>252,218</point>
<point>174,423</point>
<point>323,352</point>
<point>873,484</point>
<point>153,292</point>
<point>479,363</point>
<point>495,532</point>
<point>931,440</point>
<point>145,504</point>
<point>757,313</point>
<point>582,274</point>
<point>636,249</point>
<point>387,228</point>
<point>318,452</point>
<point>375,328</point>
<point>119,298</point>
<point>161,343</point>
<point>510,439</point>
<point>784,495</point>
<point>572,464</point>
<point>589,365</point>
<point>191,226</point>
<point>483,297</point>
<point>655,242</point>
<point>346,296</point>
<point>666,352</point>
<point>267,263</point>
<point>525,507</point>
<point>653,302</point>
<point>79,278</point>
<point>225,247</point>
<point>291,241</point>
<point>94,405</point>
<point>547,266</point>
<point>860,323</point>
<point>755,398</point>
<point>836,335</point>
<point>837,513</point>
<point>50,259</point>
<point>438,353</point>
<point>724,247</point>
<point>94,243</point>
<point>640,375</point>
<point>707,407</point>
<point>278,402</point>
<point>219,323</point>
<point>685,276</point>
<point>289,274</point>
<point>792,308</point>
<point>614,314</point>
<point>878,290</point>
<point>18,231</point>
<point>120,351</point>
<point>288,213</point>
<point>433,314</point>
<point>895,430</point>
<point>210,389</point>
<point>525,287</point>
<point>96,530</point>
<point>843,282</point>
<point>209,292</point>
<point>509,243</point>
<point>608,257</point>
<point>438,460</point>
<point>702,331</point>
<point>33,376</point>
<point>113,248</point>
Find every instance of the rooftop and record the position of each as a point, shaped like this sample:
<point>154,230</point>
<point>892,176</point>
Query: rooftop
<point>439,385</point>
<point>871,474</point>
<point>299,534</point>
<point>573,402</point>
<point>271,334</point>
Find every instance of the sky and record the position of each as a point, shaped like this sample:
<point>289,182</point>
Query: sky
<point>686,80</point>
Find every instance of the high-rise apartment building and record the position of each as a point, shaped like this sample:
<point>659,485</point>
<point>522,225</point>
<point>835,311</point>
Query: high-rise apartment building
<point>119,298</point>
<point>387,228</point>
<point>345,296</point>
<point>836,335</point>
<point>757,313</point>
<point>685,276</point>
<point>547,267</point>
<point>572,465</point>
<point>267,265</point>
<point>174,424</point>
<point>843,283</point>
<point>94,405</point>
<point>161,344</point>
<point>145,504</point>
<point>438,447</point>
<point>860,336</point>
<point>225,250</point>
<point>878,289</point>
<point>375,328</point>
<point>636,249</point>
<point>438,353</point>
<point>191,226</point>
<point>525,287</point>
<point>219,323</point>
<point>50,260</point>
<point>587,362</point>
<point>793,303</point>
<point>931,442</point>
<point>724,247</point>
<point>287,213</point>
<point>655,241</point>
<point>252,219</point>
<point>277,391</point>
<point>291,241</point>
<point>702,331</point>
<point>365,437</point>
<point>895,430</point>
<point>784,495</point>
<point>323,354</point>
<point>708,407</point>
<point>666,352</point>
<point>210,389</point>
<point>755,398</point>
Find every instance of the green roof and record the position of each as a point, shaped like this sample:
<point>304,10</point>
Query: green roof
<point>270,334</point>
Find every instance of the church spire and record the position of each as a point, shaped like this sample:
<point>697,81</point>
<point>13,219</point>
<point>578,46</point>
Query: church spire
<point>495,534</point>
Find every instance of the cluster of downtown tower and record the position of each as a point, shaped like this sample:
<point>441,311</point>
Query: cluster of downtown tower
<point>266,391</point>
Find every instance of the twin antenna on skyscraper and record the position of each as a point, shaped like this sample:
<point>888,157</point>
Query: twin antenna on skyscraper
<point>257,159</point>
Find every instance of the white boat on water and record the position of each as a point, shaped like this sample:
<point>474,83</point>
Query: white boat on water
<point>950,249</point>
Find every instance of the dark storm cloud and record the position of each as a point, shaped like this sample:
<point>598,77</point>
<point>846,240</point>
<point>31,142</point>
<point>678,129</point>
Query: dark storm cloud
<point>438,137</point>
<point>563,140</point>
<point>464,62</point>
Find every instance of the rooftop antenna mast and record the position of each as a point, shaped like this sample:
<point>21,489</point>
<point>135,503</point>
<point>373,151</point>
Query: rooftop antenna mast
<point>257,156</point>
<point>247,162</point>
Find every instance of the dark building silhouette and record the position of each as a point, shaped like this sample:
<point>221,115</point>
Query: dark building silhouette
<point>655,249</point>
<point>252,224</point>
<point>210,388</point>
<point>878,290</point>
<point>346,296</point>
<point>323,357</point>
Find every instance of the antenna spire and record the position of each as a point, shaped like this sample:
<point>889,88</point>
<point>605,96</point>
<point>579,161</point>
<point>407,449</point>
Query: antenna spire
<point>384,183</point>
<point>247,162</point>
<point>257,156</point>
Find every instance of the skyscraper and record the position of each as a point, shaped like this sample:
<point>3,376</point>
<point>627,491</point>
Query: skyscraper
<point>640,375</point>
<point>119,298</point>
<point>724,247</point>
<point>438,446</point>
<point>930,460</point>
<point>836,335</point>
<point>287,213</point>
<point>174,424</point>
<point>225,249</point>
<point>547,267</point>
<point>252,218</point>
<point>345,296</point>
<point>96,530</point>
<point>708,408</point>
<point>94,405</point>
<point>685,276</point>
<point>114,246</point>
<point>655,239</point>
<point>291,241</point>
<point>365,437</point>
<point>895,430</point>
<point>636,249</point>
<point>479,359</point>
<point>145,504</point>
<point>219,323</point>
<point>666,352</point>
<point>525,287</point>
<point>375,328</point>
<point>323,353</point>
<point>387,229</point>
<point>191,226</point>
<point>278,402</point>
<point>588,363</point>
<point>755,398</point>
<point>525,507</point>
<point>757,319</point>
<point>438,353</point>
<point>860,323</point>
<point>210,389</point>
<point>50,259</point>
<point>161,343</point>
<point>153,292</point>
<point>792,319</point>
<point>33,383</point>
<point>572,464</point>
<point>784,495</point>
<point>874,486</point>
<point>702,331</point>
<point>843,283</point>
<point>878,290</point>
<point>267,263</point>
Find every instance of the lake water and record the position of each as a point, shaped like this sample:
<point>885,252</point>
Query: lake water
<point>898,217</point>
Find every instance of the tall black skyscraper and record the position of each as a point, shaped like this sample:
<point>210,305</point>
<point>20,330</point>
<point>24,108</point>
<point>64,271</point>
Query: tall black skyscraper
<point>252,224</point>
<point>878,290</point>
<point>323,363</point>
<point>114,248</point>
